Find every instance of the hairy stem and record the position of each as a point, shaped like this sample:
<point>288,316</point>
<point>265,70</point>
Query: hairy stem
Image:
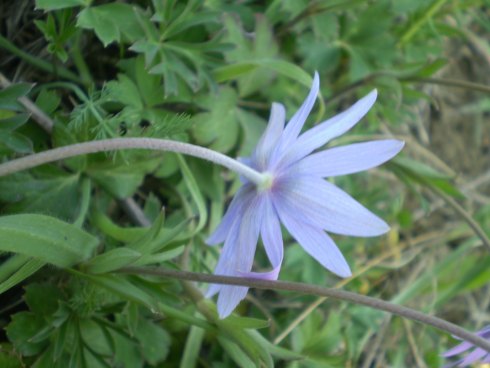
<point>320,291</point>
<point>104,145</point>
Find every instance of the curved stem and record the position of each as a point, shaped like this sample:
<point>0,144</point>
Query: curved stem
<point>104,145</point>
<point>320,291</point>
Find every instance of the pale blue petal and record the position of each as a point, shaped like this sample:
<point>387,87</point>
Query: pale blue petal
<point>271,135</point>
<point>270,232</point>
<point>225,264</point>
<point>328,130</point>
<point>228,299</point>
<point>243,196</point>
<point>322,204</point>
<point>294,126</point>
<point>458,349</point>
<point>269,275</point>
<point>238,254</point>
<point>472,357</point>
<point>316,243</point>
<point>465,345</point>
<point>349,159</point>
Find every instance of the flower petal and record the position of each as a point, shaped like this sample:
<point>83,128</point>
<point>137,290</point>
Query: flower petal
<point>270,232</point>
<point>349,159</point>
<point>235,209</point>
<point>316,243</point>
<point>238,254</point>
<point>321,204</point>
<point>326,131</point>
<point>271,135</point>
<point>458,349</point>
<point>473,357</point>
<point>294,126</point>
<point>228,299</point>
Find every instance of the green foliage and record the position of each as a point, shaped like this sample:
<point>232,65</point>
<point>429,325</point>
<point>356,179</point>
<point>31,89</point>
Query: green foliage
<point>206,72</point>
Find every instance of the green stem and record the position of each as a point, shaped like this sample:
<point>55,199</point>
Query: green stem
<point>320,291</point>
<point>80,63</point>
<point>414,28</point>
<point>38,63</point>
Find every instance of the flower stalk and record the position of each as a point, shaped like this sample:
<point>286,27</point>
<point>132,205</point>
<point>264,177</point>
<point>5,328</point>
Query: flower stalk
<point>114,144</point>
<point>303,288</point>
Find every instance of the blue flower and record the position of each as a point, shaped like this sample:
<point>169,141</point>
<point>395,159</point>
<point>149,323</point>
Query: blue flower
<point>297,196</point>
<point>477,355</point>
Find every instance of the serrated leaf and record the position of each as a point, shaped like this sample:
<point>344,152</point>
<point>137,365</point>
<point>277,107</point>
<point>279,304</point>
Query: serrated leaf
<point>111,22</point>
<point>46,238</point>
<point>23,326</point>
<point>42,299</point>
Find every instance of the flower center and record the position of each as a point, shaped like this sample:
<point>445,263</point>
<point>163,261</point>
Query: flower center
<point>266,183</point>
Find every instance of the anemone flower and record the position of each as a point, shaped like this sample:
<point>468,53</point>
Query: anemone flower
<point>296,195</point>
<point>475,356</point>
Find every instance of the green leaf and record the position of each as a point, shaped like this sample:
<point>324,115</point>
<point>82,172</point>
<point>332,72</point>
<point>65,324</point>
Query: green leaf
<point>23,326</point>
<point>26,268</point>
<point>422,174</point>
<point>46,238</point>
<point>236,353</point>
<point>16,142</point>
<point>55,193</point>
<point>122,179</point>
<point>111,22</point>
<point>218,127</point>
<point>43,299</point>
<point>13,122</point>
<point>247,322</point>
<point>94,336</point>
<point>196,195</point>
<point>10,95</point>
<point>143,244</point>
<point>285,68</point>
<point>154,340</point>
<point>60,4</point>
<point>121,286</point>
<point>112,260</point>
<point>192,347</point>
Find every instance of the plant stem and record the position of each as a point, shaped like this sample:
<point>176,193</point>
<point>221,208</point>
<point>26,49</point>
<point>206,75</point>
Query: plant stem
<point>465,215</point>
<point>426,17</point>
<point>320,291</point>
<point>104,145</point>
<point>38,63</point>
